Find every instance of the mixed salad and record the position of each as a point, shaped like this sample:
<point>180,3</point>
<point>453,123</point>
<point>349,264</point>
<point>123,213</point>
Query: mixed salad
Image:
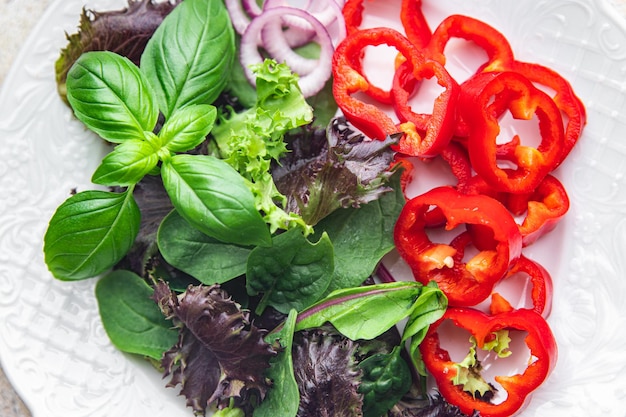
<point>257,178</point>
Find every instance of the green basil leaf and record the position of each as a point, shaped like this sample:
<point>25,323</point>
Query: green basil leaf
<point>208,260</point>
<point>214,198</point>
<point>89,233</point>
<point>111,96</point>
<point>293,273</point>
<point>283,398</point>
<point>188,59</point>
<point>188,127</point>
<point>127,164</point>
<point>131,319</point>
<point>362,236</point>
<point>364,312</point>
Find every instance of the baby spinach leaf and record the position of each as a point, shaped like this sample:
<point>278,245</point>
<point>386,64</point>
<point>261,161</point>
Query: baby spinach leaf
<point>293,273</point>
<point>386,378</point>
<point>132,320</point>
<point>89,233</point>
<point>283,397</point>
<point>188,59</point>
<point>366,312</point>
<point>188,127</point>
<point>127,164</point>
<point>207,259</point>
<point>111,97</point>
<point>362,236</point>
<point>214,198</point>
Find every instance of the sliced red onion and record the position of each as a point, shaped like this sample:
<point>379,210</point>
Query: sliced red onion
<point>252,8</point>
<point>238,16</point>
<point>319,70</point>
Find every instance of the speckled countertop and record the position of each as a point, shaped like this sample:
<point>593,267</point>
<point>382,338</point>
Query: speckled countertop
<point>17,18</point>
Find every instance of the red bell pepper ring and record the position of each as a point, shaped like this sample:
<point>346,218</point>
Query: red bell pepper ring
<point>426,135</point>
<point>540,293</point>
<point>564,97</point>
<point>481,102</point>
<point>494,43</point>
<point>415,25</point>
<point>484,328</point>
<point>348,78</point>
<point>464,283</point>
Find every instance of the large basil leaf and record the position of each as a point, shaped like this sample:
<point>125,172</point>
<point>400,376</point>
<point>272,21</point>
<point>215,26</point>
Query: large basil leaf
<point>188,59</point>
<point>89,233</point>
<point>293,273</point>
<point>193,252</point>
<point>361,237</point>
<point>214,198</point>
<point>110,96</point>
<point>132,320</point>
<point>129,162</point>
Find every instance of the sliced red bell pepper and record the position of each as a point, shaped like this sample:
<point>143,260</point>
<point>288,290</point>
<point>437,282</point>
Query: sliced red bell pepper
<point>426,135</point>
<point>494,43</point>
<point>465,283</point>
<point>414,22</point>
<point>540,294</point>
<point>490,332</point>
<point>482,103</point>
<point>348,78</point>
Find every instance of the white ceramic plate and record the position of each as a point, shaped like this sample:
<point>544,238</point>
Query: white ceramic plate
<point>52,344</point>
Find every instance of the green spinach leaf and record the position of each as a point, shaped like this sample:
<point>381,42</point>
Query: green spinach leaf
<point>208,260</point>
<point>111,97</point>
<point>89,233</point>
<point>283,397</point>
<point>188,59</point>
<point>213,197</point>
<point>293,273</point>
<point>132,320</point>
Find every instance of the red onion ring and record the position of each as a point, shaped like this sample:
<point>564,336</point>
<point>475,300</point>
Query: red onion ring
<point>310,82</point>
<point>238,16</point>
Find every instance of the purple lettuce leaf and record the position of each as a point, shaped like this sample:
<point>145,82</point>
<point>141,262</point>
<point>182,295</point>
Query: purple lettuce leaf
<point>333,168</point>
<point>124,31</point>
<point>220,354</point>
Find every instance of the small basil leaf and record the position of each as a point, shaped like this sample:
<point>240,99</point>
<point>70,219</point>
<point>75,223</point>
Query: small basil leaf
<point>188,59</point>
<point>127,164</point>
<point>111,97</point>
<point>132,320</point>
<point>214,198</point>
<point>188,127</point>
<point>193,252</point>
<point>89,233</point>
<point>283,397</point>
<point>293,273</point>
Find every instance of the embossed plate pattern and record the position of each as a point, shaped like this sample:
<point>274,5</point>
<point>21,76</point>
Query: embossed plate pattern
<point>52,344</point>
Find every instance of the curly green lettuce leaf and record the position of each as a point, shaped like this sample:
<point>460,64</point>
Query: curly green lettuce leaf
<point>336,168</point>
<point>250,140</point>
<point>220,354</point>
<point>125,32</point>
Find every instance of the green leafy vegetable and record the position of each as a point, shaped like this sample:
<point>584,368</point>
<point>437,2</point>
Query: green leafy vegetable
<point>292,274</point>
<point>283,398</point>
<point>214,198</point>
<point>89,233</point>
<point>130,317</point>
<point>111,97</point>
<point>220,354</point>
<point>203,257</point>
<point>188,59</point>
<point>129,162</point>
